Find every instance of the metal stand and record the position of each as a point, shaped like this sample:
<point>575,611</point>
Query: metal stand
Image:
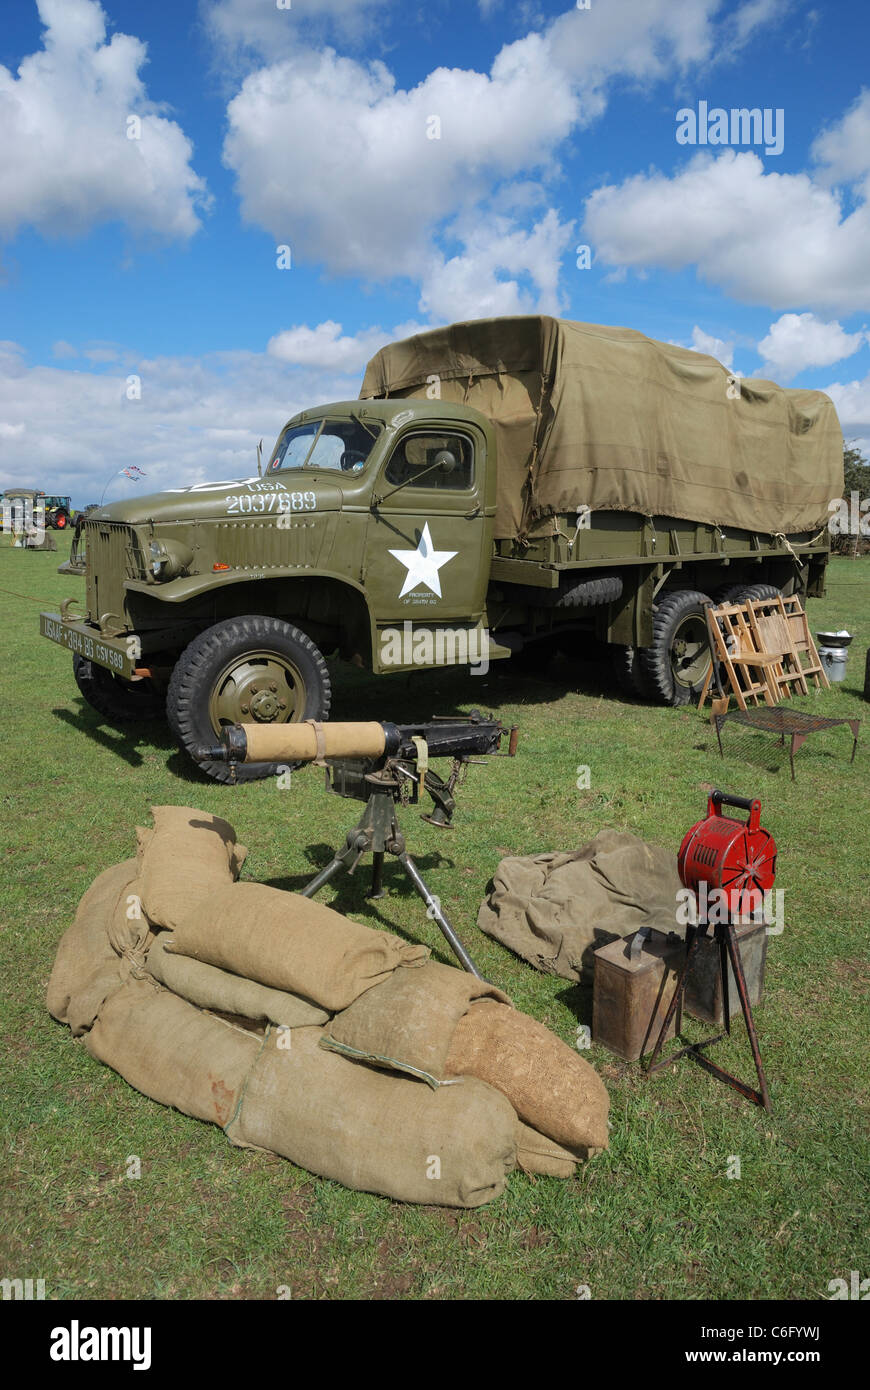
<point>728,951</point>
<point>377,833</point>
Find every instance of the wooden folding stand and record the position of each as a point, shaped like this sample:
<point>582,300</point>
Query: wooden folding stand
<point>760,646</point>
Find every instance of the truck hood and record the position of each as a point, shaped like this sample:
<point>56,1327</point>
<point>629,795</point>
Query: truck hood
<point>214,501</point>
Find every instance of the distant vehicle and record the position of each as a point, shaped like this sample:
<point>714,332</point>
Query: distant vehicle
<point>59,512</point>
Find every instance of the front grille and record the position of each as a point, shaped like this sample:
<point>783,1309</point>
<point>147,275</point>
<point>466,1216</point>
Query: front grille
<point>113,554</point>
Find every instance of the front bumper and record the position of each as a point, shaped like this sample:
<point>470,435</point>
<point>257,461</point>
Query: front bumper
<point>120,655</point>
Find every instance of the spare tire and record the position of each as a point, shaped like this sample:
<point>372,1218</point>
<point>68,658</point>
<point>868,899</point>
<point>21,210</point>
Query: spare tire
<point>739,593</point>
<point>676,665</point>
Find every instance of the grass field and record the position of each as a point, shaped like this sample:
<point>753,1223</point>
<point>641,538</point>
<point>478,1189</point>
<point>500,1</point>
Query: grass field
<point>655,1217</point>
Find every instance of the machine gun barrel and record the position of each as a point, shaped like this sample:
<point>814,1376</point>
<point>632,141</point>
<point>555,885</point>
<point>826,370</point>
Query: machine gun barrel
<point>311,741</point>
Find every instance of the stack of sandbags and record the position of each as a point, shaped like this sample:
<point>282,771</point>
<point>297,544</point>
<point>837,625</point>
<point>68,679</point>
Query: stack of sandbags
<point>107,941</point>
<point>273,958</point>
<point>438,1023</point>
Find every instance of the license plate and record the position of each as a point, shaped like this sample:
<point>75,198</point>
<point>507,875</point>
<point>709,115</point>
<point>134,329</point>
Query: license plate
<point>116,656</point>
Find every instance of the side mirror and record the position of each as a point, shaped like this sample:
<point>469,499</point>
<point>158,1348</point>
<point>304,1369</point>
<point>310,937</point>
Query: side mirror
<point>445,461</point>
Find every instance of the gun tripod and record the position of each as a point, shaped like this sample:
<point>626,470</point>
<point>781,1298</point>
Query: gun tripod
<point>728,951</point>
<point>377,832</point>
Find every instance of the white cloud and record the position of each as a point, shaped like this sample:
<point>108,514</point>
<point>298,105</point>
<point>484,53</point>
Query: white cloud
<point>332,157</point>
<point>852,399</point>
<point>798,341</point>
<point>843,151</point>
<point>261,27</point>
<point>502,270</point>
<point>66,164</point>
<point>777,239</point>
<point>333,160</point>
<point>199,420</point>
<point>714,347</point>
<point>326,346</point>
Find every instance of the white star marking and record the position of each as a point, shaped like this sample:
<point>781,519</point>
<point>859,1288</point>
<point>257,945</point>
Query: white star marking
<point>423,564</point>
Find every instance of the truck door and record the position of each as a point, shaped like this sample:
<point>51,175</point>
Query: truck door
<point>428,539</point>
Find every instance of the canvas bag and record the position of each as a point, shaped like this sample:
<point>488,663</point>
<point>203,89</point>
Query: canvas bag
<point>183,859</point>
<point>376,1131</point>
<point>107,940</point>
<point>549,1086</point>
<point>210,988</point>
<point>291,943</point>
<point>556,909</point>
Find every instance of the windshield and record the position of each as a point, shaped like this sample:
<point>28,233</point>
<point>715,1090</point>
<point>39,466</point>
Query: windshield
<point>343,445</point>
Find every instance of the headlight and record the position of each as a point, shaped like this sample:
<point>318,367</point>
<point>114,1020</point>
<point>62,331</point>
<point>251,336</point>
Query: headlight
<point>169,559</point>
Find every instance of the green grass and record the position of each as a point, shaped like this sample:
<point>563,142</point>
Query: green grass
<point>655,1217</point>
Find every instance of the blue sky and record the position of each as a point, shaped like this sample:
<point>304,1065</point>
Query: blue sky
<point>424,162</point>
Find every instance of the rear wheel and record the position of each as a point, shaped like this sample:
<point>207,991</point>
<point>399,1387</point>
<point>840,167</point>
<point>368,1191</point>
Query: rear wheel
<point>119,701</point>
<point>676,665</point>
<point>627,671</point>
<point>245,670</point>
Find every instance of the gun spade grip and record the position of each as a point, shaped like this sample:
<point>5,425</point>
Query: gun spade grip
<point>287,743</point>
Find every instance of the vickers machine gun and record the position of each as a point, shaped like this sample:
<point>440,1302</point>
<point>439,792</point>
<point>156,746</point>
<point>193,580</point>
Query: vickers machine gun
<point>385,766</point>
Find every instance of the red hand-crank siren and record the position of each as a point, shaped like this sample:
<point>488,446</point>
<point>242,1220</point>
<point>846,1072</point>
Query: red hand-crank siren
<point>737,856</point>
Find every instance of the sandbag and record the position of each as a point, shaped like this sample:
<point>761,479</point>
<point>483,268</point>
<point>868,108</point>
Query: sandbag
<point>550,1087</point>
<point>406,1023</point>
<point>185,858</point>
<point>291,943</point>
<point>95,954</point>
<point>210,988</point>
<point>556,909</point>
<point>538,1154</point>
<point>171,1051</point>
<point>375,1131</point>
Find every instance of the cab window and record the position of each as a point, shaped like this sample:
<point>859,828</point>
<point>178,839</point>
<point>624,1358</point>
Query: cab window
<point>444,462</point>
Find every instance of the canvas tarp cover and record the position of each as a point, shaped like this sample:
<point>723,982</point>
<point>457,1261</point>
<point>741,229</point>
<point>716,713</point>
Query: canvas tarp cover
<point>556,909</point>
<point>613,420</point>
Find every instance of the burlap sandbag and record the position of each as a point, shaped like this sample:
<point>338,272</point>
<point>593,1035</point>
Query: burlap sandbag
<point>290,943</point>
<point>407,1022</point>
<point>551,1088</point>
<point>538,1154</point>
<point>172,1052</point>
<point>185,858</point>
<point>96,953</point>
<point>556,909</point>
<point>210,988</point>
<point>375,1131</point>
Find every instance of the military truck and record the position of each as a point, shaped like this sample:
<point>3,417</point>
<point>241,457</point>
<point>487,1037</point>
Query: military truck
<point>508,485</point>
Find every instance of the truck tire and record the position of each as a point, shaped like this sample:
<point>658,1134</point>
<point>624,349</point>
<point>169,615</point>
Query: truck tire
<point>739,593</point>
<point>676,664</point>
<point>627,671</point>
<point>119,701</point>
<point>591,593</point>
<point>253,669</point>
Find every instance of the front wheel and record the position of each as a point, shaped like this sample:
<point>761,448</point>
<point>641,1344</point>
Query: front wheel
<point>676,665</point>
<point>117,700</point>
<point>245,670</point>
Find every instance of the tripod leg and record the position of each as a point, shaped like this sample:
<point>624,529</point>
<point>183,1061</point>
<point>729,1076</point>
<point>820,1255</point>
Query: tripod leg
<point>737,967</point>
<point>433,908</point>
<point>377,888</point>
<point>323,877</point>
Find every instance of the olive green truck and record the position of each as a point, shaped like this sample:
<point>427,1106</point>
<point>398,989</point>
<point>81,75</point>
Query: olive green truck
<point>501,486</point>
